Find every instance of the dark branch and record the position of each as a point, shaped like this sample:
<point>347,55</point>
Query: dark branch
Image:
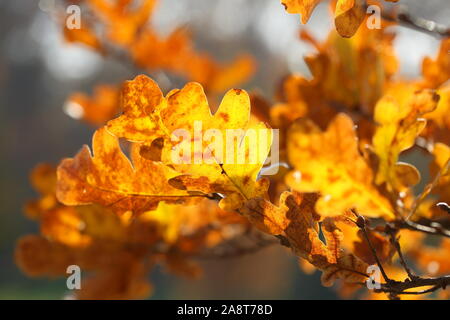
<point>434,228</point>
<point>233,250</point>
<point>402,16</point>
<point>392,287</point>
<point>394,239</point>
<point>400,287</point>
<point>361,223</point>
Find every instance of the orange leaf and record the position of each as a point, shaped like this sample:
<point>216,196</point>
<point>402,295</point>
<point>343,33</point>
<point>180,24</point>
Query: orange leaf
<point>110,179</point>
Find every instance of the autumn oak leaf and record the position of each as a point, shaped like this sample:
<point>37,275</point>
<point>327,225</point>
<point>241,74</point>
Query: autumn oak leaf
<point>109,178</point>
<point>296,221</point>
<point>214,153</point>
<point>399,118</point>
<point>330,163</point>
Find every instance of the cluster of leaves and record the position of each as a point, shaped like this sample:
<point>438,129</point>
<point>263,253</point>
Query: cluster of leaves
<point>345,202</point>
<point>348,14</point>
<point>122,29</point>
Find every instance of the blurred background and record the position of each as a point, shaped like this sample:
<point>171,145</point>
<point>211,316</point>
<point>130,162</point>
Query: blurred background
<point>38,71</point>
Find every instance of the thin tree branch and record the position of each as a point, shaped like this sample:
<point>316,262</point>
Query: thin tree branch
<point>361,223</point>
<point>395,288</point>
<point>235,251</point>
<point>400,287</point>
<point>402,16</point>
<point>394,239</point>
<point>434,229</point>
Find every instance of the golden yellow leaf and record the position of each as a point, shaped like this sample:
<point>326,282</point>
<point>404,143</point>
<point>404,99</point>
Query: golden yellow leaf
<point>139,121</point>
<point>399,118</point>
<point>330,163</point>
<point>227,162</point>
<point>349,74</point>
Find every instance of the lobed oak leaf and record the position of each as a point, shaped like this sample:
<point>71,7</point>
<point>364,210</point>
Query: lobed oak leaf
<point>225,162</point>
<point>353,72</point>
<point>329,162</point>
<point>228,168</point>
<point>109,178</point>
<point>348,74</point>
<point>399,118</point>
<point>109,245</point>
<point>141,99</point>
<point>296,221</point>
<point>71,226</point>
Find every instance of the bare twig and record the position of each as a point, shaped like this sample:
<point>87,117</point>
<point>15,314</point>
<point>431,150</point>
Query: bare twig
<point>434,229</point>
<point>392,287</point>
<point>235,250</point>
<point>444,207</point>
<point>395,288</point>
<point>400,287</point>
<point>361,223</point>
<point>402,16</point>
<point>394,239</point>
